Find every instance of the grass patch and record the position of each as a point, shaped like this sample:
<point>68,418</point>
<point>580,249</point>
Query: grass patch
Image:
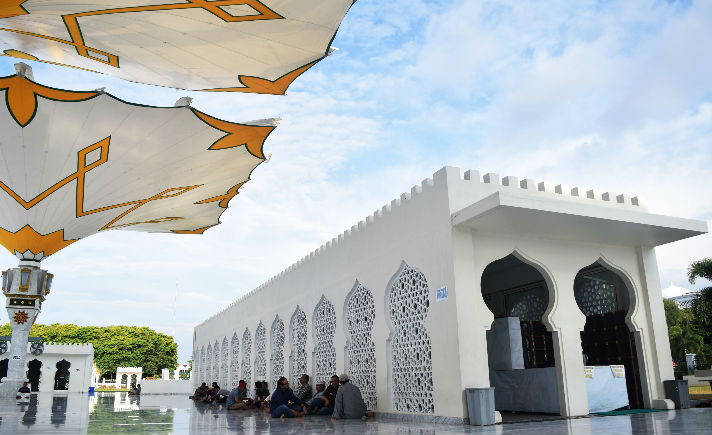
<point>704,389</point>
<point>111,390</point>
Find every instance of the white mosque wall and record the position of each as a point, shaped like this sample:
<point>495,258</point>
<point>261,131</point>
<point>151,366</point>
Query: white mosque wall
<point>414,234</point>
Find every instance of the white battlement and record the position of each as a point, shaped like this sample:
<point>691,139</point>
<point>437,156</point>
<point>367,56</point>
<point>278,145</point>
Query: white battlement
<point>490,179</point>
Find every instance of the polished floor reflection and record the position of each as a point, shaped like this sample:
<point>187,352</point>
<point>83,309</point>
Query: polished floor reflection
<point>117,413</point>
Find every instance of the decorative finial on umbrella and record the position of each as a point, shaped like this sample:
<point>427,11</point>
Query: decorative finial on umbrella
<point>267,122</point>
<point>331,50</point>
<point>183,102</point>
<point>101,89</point>
<point>24,70</point>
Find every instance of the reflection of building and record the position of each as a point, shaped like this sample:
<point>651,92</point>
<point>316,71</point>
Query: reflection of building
<point>681,296</point>
<point>57,366</point>
<point>403,300</point>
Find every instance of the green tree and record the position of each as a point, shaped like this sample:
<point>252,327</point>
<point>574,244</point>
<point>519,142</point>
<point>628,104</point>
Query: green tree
<point>700,269</point>
<point>114,346</point>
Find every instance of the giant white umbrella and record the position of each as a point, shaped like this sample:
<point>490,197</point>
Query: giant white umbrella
<point>73,164</point>
<point>257,46</point>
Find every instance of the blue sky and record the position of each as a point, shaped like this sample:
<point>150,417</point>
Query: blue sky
<point>615,96</point>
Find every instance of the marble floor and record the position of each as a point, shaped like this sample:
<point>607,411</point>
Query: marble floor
<point>116,413</point>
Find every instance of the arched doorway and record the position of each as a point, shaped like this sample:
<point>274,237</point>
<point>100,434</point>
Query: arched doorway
<point>520,348</point>
<point>124,380</point>
<point>603,296</point>
<point>34,372</point>
<point>61,376</point>
<point>3,368</point>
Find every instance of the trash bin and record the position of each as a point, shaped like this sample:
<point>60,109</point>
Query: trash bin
<point>480,406</point>
<point>678,392</point>
<point>91,391</point>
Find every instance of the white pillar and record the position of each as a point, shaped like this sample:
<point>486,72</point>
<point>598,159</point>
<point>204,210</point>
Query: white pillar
<point>25,288</point>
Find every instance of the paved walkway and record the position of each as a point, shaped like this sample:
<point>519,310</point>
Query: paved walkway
<point>116,413</point>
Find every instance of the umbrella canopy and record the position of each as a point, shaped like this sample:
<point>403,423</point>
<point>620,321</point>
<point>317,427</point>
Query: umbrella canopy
<point>76,163</point>
<point>257,46</point>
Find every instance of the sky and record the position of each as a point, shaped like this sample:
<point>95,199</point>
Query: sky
<point>615,96</point>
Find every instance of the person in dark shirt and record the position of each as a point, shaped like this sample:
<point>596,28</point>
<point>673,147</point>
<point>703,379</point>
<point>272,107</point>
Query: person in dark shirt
<point>199,392</point>
<point>281,397</point>
<point>24,388</point>
<point>324,405</point>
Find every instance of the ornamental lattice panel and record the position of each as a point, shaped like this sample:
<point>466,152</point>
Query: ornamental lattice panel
<point>246,370</point>
<point>528,305</point>
<point>277,350</point>
<point>234,360</point>
<point>202,365</point>
<point>360,348</point>
<point>411,365</point>
<point>298,357</point>
<point>595,296</point>
<point>209,364</point>
<point>324,324</point>
<point>260,350</point>
<point>216,362</point>
<point>224,374</point>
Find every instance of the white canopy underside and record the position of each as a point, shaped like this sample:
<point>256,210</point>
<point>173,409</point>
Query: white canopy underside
<point>146,151</point>
<point>188,44</point>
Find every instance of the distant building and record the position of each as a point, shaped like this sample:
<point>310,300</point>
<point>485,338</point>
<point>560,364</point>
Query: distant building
<point>680,295</point>
<point>53,367</point>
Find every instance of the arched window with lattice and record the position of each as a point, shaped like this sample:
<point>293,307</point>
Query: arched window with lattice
<point>359,316</point>
<point>324,327</point>
<point>298,337</point>
<point>209,364</point>
<point>409,347</point>
<point>260,351</point>
<point>216,362</point>
<point>276,360</point>
<point>246,370</point>
<point>234,361</point>
<point>202,365</point>
<point>224,373</point>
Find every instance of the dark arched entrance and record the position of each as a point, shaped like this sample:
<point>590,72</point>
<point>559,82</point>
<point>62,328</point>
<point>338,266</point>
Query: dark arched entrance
<point>61,377</point>
<point>520,349</point>
<point>3,368</point>
<point>34,372</point>
<point>124,380</point>
<point>603,297</point>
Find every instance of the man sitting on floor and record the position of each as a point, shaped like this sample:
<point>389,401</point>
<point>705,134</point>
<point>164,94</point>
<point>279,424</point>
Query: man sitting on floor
<point>237,399</point>
<point>320,387</point>
<point>304,389</point>
<point>199,392</point>
<point>279,405</point>
<point>260,395</point>
<point>324,405</point>
<point>349,403</point>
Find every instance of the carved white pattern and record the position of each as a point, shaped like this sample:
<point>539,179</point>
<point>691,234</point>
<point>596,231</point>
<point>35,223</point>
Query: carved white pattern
<point>224,374</point>
<point>411,368</point>
<point>234,361</point>
<point>360,348</point>
<point>202,365</point>
<point>209,364</point>
<point>324,327</point>
<point>260,350</point>
<point>298,357</point>
<point>216,363</point>
<point>595,296</point>
<point>246,370</point>
<point>528,306</point>
<point>276,361</point>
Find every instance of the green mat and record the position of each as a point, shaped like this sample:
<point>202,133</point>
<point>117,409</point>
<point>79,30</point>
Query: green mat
<point>629,411</point>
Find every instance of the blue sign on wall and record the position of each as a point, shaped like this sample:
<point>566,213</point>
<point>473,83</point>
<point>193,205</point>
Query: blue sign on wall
<point>441,294</point>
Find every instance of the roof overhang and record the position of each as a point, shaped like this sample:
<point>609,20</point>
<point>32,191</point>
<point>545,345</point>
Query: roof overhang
<point>553,218</point>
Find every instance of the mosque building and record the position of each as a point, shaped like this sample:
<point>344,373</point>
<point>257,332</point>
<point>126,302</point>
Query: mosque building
<point>549,294</point>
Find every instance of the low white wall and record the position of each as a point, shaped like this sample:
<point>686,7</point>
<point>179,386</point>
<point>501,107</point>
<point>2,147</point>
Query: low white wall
<point>80,357</point>
<point>160,386</point>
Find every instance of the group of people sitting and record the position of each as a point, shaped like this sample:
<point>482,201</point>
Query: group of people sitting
<point>341,399</point>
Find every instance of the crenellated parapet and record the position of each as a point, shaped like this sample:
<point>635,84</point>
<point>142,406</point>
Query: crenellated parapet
<point>471,186</point>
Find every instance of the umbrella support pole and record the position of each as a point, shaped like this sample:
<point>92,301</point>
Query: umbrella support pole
<point>25,288</point>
